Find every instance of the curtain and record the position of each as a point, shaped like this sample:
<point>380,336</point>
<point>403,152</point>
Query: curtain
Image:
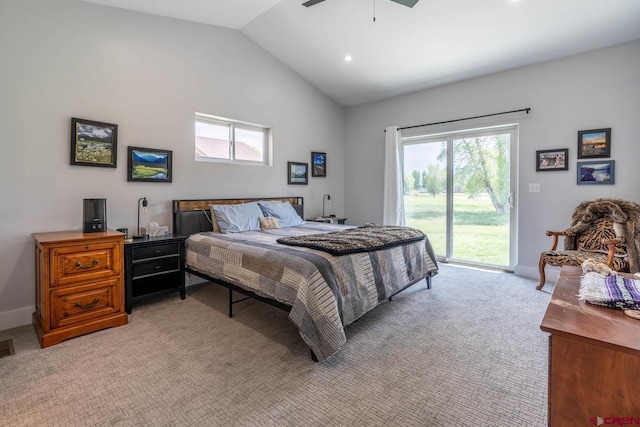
<point>393,212</point>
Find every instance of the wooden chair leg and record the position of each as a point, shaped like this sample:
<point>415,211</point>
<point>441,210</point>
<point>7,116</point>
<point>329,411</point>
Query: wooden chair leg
<point>543,279</point>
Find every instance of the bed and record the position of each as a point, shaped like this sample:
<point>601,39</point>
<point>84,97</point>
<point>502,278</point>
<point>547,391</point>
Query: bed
<point>322,292</point>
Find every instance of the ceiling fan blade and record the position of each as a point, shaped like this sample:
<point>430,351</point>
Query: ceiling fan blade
<point>312,2</point>
<point>408,3</point>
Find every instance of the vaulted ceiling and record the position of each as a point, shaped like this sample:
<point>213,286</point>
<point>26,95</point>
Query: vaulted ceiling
<point>407,49</point>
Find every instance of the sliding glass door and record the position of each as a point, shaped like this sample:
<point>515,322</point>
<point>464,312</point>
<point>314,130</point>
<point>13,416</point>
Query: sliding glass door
<point>459,190</point>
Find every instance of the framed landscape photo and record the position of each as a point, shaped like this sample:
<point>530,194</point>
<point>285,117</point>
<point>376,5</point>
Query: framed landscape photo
<point>596,172</point>
<point>94,143</point>
<point>149,164</point>
<point>297,173</point>
<point>318,164</point>
<point>594,143</point>
<point>552,160</point>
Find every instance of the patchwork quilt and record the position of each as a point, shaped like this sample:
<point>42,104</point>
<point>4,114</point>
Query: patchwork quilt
<point>325,292</point>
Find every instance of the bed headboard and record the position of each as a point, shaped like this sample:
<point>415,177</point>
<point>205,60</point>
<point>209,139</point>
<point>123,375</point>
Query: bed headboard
<point>194,216</point>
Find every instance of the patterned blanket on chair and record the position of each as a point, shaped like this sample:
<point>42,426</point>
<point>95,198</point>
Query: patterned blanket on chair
<point>610,291</point>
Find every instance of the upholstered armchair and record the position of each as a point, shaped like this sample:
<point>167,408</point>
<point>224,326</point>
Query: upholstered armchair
<point>603,230</point>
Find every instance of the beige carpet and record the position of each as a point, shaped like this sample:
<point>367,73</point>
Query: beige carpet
<point>468,352</point>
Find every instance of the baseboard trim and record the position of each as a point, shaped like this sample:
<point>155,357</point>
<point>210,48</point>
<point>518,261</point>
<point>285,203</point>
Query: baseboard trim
<point>15,318</point>
<point>551,273</point>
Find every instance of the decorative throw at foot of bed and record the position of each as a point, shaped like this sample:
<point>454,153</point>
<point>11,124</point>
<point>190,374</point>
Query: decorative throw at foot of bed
<point>366,238</point>
<point>610,291</point>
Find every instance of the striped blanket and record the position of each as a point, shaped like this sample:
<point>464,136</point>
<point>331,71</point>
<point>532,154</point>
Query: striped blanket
<point>610,291</point>
<point>325,292</point>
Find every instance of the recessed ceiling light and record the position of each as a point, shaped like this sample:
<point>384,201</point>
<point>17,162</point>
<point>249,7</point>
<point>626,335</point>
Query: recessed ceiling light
<point>348,58</point>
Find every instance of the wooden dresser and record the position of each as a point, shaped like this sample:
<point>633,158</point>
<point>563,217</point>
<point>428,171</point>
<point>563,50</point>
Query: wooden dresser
<point>79,284</point>
<point>594,359</point>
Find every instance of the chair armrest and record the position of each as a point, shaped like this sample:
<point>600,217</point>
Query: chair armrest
<point>611,246</point>
<point>560,233</point>
<point>555,235</point>
<point>616,241</point>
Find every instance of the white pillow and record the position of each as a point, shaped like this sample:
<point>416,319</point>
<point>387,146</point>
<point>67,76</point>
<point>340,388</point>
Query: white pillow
<point>283,211</point>
<point>238,218</point>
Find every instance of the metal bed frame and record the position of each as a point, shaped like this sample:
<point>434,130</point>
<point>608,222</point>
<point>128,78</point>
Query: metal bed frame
<point>191,216</point>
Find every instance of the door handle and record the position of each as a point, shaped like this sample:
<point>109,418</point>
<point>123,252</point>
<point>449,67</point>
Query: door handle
<point>510,199</point>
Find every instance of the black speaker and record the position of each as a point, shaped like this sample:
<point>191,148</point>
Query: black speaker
<point>95,215</point>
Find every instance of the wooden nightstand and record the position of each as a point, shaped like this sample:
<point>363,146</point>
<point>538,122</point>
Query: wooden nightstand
<point>153,266</point>
<point>79,284</point>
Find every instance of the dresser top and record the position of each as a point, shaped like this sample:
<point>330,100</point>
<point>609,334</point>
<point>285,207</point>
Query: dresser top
<point>65,236</point>
<point>569,316</point>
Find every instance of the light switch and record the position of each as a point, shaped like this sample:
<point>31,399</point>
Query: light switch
<point>534,188</point>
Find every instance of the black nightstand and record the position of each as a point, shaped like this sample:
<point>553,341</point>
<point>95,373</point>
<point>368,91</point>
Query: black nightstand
<point>328,219</point>
<point>153,266</point>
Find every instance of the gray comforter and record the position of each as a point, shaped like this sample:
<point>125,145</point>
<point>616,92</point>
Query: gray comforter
<point>325,292</point>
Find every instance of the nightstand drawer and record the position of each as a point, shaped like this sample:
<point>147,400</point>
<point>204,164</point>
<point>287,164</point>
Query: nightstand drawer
<point>82,303</point>
<point>164,249</point>
<point>78,263</point>
<point>155,266</point>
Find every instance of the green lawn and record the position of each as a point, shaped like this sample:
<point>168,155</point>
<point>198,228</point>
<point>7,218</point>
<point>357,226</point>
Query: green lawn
<point>480,234</point>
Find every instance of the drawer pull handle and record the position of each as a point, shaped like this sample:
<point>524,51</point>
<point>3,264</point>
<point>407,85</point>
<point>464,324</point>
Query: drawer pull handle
<point>158,267</point>
<point>90,305</point>
<point>93,264</point>
<point>157,251</point>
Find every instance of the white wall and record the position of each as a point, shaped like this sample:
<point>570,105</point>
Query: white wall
<point>67,58</point>
<point>589,91</point>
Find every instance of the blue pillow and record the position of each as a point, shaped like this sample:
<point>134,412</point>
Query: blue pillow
<point>238,218</point>
<point>286,214</point>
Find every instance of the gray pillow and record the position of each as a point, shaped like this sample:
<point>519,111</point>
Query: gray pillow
<point>238,218</point>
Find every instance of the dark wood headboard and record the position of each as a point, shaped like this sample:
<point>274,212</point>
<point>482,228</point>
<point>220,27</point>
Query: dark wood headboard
<point>194,216</point>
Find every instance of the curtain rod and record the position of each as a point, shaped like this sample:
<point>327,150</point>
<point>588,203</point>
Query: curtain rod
<point>466,118</point>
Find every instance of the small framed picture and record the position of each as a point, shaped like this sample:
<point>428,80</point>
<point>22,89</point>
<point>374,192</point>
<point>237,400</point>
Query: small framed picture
<point>94,143</point>
<point>552,160</point>
<point>594,144</point>
<point>318,164</point>
<point>149,164</point>
<point>596,172</point>
<point>297,173</point>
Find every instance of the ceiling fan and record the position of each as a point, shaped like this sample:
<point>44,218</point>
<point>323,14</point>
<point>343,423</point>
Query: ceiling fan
<point>408,3</point>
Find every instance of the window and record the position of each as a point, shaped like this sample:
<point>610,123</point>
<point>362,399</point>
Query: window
<point>225,140</point>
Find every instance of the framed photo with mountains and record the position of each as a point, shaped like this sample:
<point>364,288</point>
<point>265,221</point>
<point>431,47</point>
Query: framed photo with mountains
<point>149,164</point>
<point>297,173</point>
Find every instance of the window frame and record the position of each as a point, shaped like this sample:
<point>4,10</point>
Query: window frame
<point>232,125</point>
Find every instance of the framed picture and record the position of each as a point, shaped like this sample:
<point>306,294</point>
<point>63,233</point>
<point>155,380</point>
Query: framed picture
<point>94,143</point>
<point>318,164</point>
<point>297,173</point>
<point>148,164</point>
<point>552,160</point>
<point>594,143</point>
<point>596,172</point>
